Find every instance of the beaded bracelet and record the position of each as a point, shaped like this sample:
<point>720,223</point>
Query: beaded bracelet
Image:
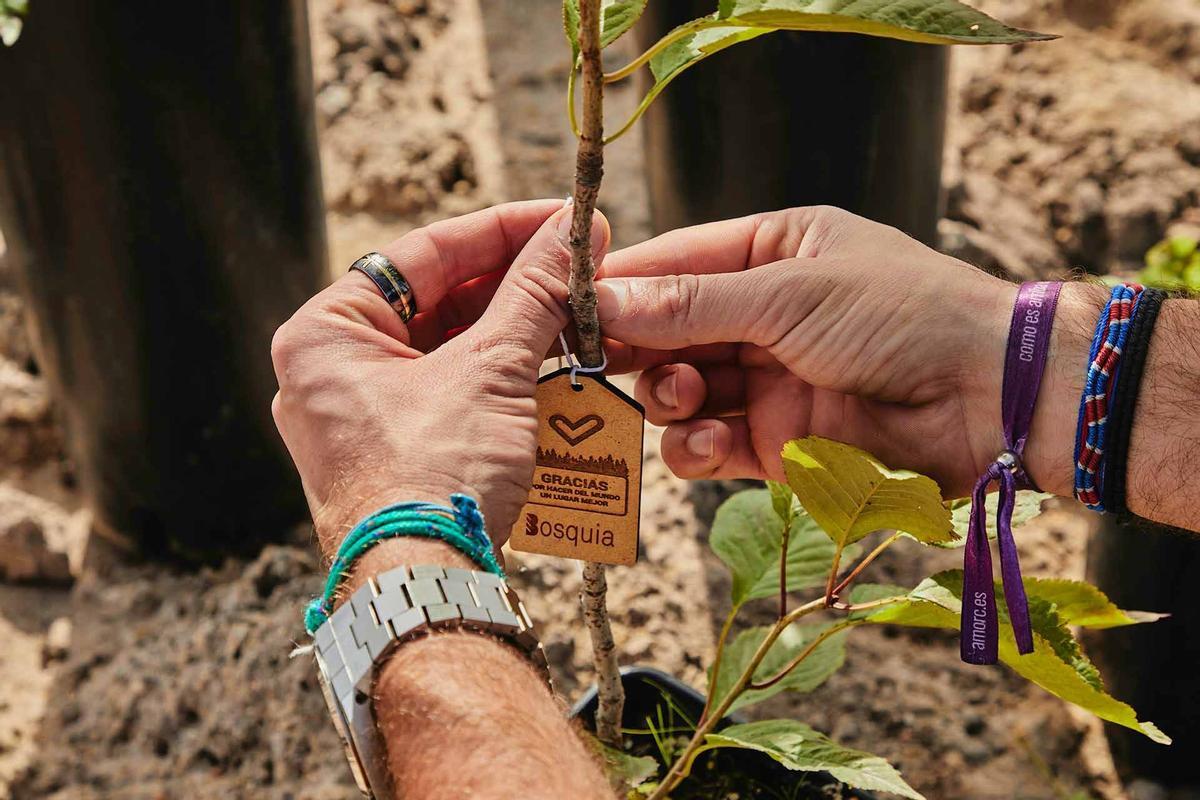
<point>460,527</point>
<point>1108,343</point>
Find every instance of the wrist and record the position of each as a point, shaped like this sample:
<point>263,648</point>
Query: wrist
<point>1050,451</point>
<point>351,504</point>
<point>1049,457</point>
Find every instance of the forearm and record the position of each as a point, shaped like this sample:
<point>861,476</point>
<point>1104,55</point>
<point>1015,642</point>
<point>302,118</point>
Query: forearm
<point>1164,450</point>
<point>463,715</point>
<point>1164,457</point>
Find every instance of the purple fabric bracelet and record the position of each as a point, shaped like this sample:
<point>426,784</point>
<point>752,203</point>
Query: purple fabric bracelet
<point>1028,345</point>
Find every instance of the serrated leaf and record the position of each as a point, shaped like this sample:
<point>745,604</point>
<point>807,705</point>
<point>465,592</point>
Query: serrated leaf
<point>1026,506</point>
<point>616,18</point>
<point>748,537</point>
<point>825,659</point>
<point>1079,603</point>
<point>850,494</point>
<point>570,16</point>
<point>694,48</point>
<point>799,747</point>
<point>925,21</point>
<point>783,500</point>
<point>1057,663</point>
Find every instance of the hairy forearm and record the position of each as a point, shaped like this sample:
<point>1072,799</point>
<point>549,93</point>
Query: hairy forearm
<point>464,715</point>
<point>1164,457</point>
<point>1164,449</point>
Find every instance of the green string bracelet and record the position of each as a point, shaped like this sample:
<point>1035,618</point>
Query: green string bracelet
<point>460,527</point>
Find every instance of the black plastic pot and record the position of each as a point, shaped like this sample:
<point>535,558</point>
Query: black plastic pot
<point>1152,667</point>
<point>645,689</point>
<point>161,199</point>
<point>797,119</point>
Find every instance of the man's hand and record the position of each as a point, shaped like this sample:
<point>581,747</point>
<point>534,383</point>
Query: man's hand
<point>374,411</point>
<point>815,321</point>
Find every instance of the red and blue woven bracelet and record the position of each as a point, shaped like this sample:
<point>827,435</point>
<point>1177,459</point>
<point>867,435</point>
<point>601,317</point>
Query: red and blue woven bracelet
<point>1108,342</point>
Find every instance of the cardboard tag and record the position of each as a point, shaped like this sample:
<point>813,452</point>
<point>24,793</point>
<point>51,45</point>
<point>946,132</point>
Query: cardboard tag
<point>585,501</point>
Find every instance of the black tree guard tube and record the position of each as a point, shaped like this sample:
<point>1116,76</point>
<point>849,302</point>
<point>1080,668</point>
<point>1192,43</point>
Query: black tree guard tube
<point>1151,667</point>
<point>798,119</point>
<point>160,195</point>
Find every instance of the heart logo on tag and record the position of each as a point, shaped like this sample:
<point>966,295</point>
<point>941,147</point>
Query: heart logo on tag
<point>578,431</point>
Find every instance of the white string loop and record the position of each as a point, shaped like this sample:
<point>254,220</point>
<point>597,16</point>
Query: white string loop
<point>575,365</point>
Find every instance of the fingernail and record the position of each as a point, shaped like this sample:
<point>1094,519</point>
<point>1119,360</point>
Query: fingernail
<point>566,215</point>
<point>664,391</point>
<point>700,443</point>
<point>610,299</point>
<point>599,227</point>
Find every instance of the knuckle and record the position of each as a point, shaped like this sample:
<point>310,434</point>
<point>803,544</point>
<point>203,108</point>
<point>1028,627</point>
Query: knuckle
<point>543,280</point>
<point>283,347</point>
<point>679,297</point>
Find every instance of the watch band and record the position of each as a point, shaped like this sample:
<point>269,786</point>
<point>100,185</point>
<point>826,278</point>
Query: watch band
<point>393,607</point>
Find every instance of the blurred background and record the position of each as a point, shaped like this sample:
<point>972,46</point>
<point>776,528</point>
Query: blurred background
<point>174,182</point>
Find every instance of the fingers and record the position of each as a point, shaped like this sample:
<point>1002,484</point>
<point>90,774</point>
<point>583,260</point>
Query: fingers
<point>433,260</point>
<point>530,306</point>
<point>711,448</point>
<point>727,246</point>
<point>438,257</point>
<point>681,391</point>
<point>678,311</point>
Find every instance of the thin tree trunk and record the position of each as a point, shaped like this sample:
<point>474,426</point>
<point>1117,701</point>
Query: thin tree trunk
<point>609,691</point>
<point>589,170</point>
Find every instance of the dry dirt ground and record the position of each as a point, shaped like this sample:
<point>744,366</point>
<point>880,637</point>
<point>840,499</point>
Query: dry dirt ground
<point>142,683</point>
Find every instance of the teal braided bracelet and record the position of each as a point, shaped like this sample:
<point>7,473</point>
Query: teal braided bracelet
<point>460,527</point>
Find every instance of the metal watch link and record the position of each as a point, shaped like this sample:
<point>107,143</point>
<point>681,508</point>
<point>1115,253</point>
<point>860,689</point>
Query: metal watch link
<point>393,607</point>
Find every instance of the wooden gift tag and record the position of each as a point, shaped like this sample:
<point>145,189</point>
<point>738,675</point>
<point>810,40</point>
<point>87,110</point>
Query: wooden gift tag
<point>585,500</point>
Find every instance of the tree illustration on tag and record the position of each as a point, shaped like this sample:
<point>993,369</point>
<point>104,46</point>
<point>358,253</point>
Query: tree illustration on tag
<point>585,500</point>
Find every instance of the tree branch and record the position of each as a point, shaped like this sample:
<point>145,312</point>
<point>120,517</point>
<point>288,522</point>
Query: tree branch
<point>589,171</point>
<point>610,694</point>
<point>874,554</point>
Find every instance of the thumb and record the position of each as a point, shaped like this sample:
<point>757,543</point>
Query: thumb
<point>675,311</point>
<point>530,306</point>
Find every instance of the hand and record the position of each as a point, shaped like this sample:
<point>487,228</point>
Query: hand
<point>815,321</point>
<point>374,411</point>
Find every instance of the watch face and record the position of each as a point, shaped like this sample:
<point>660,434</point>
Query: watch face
<point>339,724</point>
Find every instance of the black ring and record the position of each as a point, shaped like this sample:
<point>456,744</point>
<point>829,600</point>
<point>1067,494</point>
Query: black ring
<point>392,285</point>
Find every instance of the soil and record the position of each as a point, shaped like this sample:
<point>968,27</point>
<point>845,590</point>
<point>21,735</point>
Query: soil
<point>1078,153</point>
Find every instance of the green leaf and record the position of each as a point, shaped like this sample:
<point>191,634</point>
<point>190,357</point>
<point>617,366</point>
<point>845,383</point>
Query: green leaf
<point>748,537</point>
<point>622,769</point>
<point>929,21</point>
<point>799,747</point>
<point>1182,247</point>
<point>926,21</point>
<point>825,659</point>
<point>695,47</point>
<point>1079,603</point>
<point>616,17</point>
<point>1057,663</point>
<point>1027,506</point>
<point>850,494</point>
<point>571,27</point>
<point>11,12</point>
<point>783,500</point>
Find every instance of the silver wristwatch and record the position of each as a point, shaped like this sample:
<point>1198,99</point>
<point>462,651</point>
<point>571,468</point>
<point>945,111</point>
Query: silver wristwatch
<point>393,607</point>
